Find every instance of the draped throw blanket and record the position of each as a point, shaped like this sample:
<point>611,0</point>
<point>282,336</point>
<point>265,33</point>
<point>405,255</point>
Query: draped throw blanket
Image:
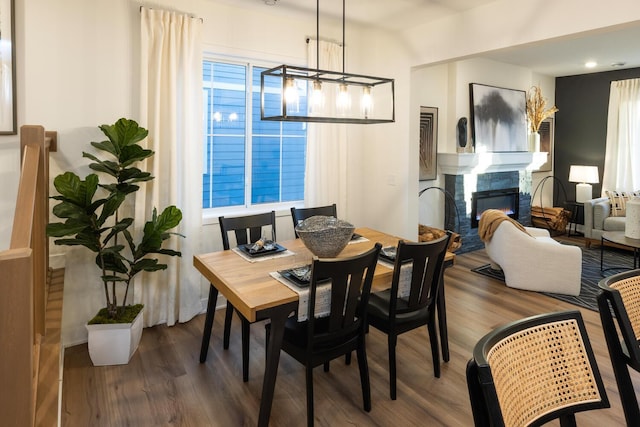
<point>490,220</point>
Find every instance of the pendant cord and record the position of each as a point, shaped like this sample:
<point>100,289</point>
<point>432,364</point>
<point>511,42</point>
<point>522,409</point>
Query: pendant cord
<point>318,36</point>
<point>343,44</point>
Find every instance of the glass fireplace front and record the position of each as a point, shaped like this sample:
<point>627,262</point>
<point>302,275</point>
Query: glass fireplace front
<point>506,200</point>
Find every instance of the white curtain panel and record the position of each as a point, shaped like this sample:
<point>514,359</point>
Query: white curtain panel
<point>170,103</point>
<point>621,171</point>
<point>327,164</point>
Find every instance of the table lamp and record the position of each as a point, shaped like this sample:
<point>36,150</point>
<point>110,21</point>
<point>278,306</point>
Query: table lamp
<point>584,176</point>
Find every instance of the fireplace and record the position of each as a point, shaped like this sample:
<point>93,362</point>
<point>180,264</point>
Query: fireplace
<point>462,185</point>
<point>507,200</point>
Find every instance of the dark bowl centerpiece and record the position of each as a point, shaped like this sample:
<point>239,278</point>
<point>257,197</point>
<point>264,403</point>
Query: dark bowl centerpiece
<point>325,236</point>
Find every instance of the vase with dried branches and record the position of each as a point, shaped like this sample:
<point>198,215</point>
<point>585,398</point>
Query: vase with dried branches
<point>537,111</point>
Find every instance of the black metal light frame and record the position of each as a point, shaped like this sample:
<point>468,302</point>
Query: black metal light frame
<point>286,72</point>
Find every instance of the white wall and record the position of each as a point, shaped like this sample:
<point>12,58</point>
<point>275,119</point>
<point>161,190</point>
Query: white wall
<point>78,68</point>
<point>9,172</point>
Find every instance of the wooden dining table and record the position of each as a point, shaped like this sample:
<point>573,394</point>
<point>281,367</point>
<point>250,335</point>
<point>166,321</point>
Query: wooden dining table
<point>259,296</point>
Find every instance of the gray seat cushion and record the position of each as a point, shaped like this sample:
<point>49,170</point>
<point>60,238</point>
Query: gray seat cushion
<point>614,223</point>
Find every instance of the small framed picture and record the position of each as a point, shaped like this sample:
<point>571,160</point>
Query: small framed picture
<point>546,143</point>
<point>428,143</point>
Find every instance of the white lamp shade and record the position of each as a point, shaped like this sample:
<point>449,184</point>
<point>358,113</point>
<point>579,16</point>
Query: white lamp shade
<point>584,174</point>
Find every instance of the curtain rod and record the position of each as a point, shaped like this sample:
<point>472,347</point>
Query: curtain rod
<point>190,15</point>
<point>324,39</point>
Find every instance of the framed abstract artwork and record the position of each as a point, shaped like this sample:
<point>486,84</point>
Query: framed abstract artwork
<point>428,143</point>
<point>498,118</point>
<point>8,121</point>
<point>546,143</point>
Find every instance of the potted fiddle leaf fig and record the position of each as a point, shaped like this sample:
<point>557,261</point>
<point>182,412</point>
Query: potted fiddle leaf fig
<point>92,212</point>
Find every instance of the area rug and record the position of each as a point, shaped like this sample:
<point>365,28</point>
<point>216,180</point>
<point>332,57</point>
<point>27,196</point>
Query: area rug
<point>614,261</point>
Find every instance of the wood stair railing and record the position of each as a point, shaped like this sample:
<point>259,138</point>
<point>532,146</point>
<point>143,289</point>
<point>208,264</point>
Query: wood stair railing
<point>24,268</point>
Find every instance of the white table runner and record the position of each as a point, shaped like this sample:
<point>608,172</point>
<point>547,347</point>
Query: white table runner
<point>358,240</point>
<point>323,297</point>
<point>406,270</point>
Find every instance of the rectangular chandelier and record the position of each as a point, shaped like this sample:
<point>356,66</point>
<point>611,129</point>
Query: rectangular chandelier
<point>296,94</point>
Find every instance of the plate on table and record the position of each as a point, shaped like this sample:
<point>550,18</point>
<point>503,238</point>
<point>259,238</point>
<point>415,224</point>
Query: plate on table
<point>299,276</point>
<point>267,249</point>
<point>388,254</point>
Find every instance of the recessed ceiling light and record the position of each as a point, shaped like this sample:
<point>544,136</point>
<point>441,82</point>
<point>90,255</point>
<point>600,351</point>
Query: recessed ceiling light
<point>590,64</point>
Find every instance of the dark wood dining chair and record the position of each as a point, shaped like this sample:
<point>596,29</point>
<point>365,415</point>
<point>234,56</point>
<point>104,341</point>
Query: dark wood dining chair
<point>300,214</point>
<point>535,370</point>
<point>411,301</point>
<point>322,338</point>
<point>619,305</point>
<point>247,229</point>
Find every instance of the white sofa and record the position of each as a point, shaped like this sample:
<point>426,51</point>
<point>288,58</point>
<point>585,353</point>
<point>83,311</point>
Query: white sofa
<point>535,261</point>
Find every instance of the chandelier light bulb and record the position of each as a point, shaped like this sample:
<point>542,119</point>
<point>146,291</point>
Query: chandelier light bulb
<point>291,93</point>
<point>367,101</point>
<point>317,97</point>
<point>343,101</point>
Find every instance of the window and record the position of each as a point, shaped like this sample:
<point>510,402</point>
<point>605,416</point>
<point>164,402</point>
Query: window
<point>248,161</point>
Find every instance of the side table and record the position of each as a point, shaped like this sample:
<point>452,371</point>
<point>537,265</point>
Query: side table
<point>577,216</point>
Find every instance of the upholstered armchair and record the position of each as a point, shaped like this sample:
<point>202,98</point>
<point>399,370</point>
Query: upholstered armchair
<point>533,261</point>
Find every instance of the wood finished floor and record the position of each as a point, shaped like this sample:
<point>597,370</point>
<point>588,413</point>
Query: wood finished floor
<point>164,385</point>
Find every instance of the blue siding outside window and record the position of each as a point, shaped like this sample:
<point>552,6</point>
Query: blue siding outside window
<point>248,161</point>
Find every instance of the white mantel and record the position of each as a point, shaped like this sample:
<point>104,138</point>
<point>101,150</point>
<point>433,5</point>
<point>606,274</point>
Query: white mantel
<point>478,163</point>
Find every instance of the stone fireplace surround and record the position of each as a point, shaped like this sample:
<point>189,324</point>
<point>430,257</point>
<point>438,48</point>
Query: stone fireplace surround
<point>466,173</point>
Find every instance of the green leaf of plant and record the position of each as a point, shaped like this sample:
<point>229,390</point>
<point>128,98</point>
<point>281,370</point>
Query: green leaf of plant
<point>106,146</point>
<point>133,153</point>
<point>58,229</point>
<point>107,167</point>
<point>148,264</point>
<point>169,218</point>
<point>114,251</point>
<point>112,261</point>
<point>134,175</point>
<point>79,241</point>
<point>124,132</point>
<point>111,206</point>
<point>69,210</point>
<point>129,239</point>
<point>169,252</point>
<point>120,227</point>
<point>76,190</point>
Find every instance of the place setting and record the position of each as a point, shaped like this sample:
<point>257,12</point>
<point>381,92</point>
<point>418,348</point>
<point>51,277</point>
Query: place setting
<point>262,250</point>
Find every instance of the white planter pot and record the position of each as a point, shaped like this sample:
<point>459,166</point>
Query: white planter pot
<point>114,344</point>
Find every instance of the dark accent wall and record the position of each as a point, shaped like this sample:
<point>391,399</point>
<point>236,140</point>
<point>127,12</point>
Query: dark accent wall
<point>581,123</point>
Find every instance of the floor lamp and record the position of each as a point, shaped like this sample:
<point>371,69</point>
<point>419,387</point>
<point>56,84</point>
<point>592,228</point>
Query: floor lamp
<point>584,176</point>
